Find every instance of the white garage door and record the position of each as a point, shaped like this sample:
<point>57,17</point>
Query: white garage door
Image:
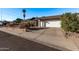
<point>53,24</point>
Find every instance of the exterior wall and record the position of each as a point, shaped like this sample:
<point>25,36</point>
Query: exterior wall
<point>41,24</point>
<point>54,23</point>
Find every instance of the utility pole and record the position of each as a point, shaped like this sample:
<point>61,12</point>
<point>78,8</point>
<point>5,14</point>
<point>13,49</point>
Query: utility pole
<point>1,14</point>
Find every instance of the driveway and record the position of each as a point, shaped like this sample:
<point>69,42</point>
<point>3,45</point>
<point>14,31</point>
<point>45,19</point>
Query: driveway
<point>10,42</point>
<point>52,37</point>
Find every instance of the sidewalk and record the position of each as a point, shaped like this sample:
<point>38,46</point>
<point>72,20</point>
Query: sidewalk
<point>50,37</point>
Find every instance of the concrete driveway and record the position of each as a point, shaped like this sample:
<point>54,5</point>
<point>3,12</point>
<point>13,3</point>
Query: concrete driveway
<point>10,42</point>
<point>52,37</point>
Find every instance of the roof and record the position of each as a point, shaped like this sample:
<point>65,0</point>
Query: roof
<point>50,18</point>
<point>45,18</point>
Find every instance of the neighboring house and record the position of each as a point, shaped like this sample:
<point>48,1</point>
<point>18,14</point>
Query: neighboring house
<point>1,23</point>
<point>49,21</point>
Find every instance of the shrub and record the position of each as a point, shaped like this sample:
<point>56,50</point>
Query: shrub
<point>18,20</point>
<point>23,24</point>
<point>70,22</point>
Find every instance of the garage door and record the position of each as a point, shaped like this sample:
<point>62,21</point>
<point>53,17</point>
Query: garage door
<point>53,24</point>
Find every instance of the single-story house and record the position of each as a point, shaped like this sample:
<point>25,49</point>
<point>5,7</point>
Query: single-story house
<point>49,21</point>
<point>1,23</point>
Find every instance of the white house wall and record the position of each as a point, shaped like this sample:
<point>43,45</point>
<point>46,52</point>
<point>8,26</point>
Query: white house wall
<point>39,24</point>
<point>56,23</point>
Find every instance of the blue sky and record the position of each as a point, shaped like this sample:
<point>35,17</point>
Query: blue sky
<point>13,13</point>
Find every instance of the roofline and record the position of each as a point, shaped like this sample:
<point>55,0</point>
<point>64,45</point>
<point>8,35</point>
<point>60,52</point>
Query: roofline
<point>46,18</point>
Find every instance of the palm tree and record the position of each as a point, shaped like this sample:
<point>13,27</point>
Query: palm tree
<point>24,15</point>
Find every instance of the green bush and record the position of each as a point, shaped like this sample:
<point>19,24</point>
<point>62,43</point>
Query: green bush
<point>70,22</point>
<point>18,20</point>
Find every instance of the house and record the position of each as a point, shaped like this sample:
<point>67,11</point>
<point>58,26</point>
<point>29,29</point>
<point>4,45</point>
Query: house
<point>1,23</point>
<point>49,21</point>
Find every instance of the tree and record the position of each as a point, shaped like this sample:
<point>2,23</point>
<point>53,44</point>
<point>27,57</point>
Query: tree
<point>70,22</point>
<point>33,18</point>
<point>18,20</point>
<point>24,15</point>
